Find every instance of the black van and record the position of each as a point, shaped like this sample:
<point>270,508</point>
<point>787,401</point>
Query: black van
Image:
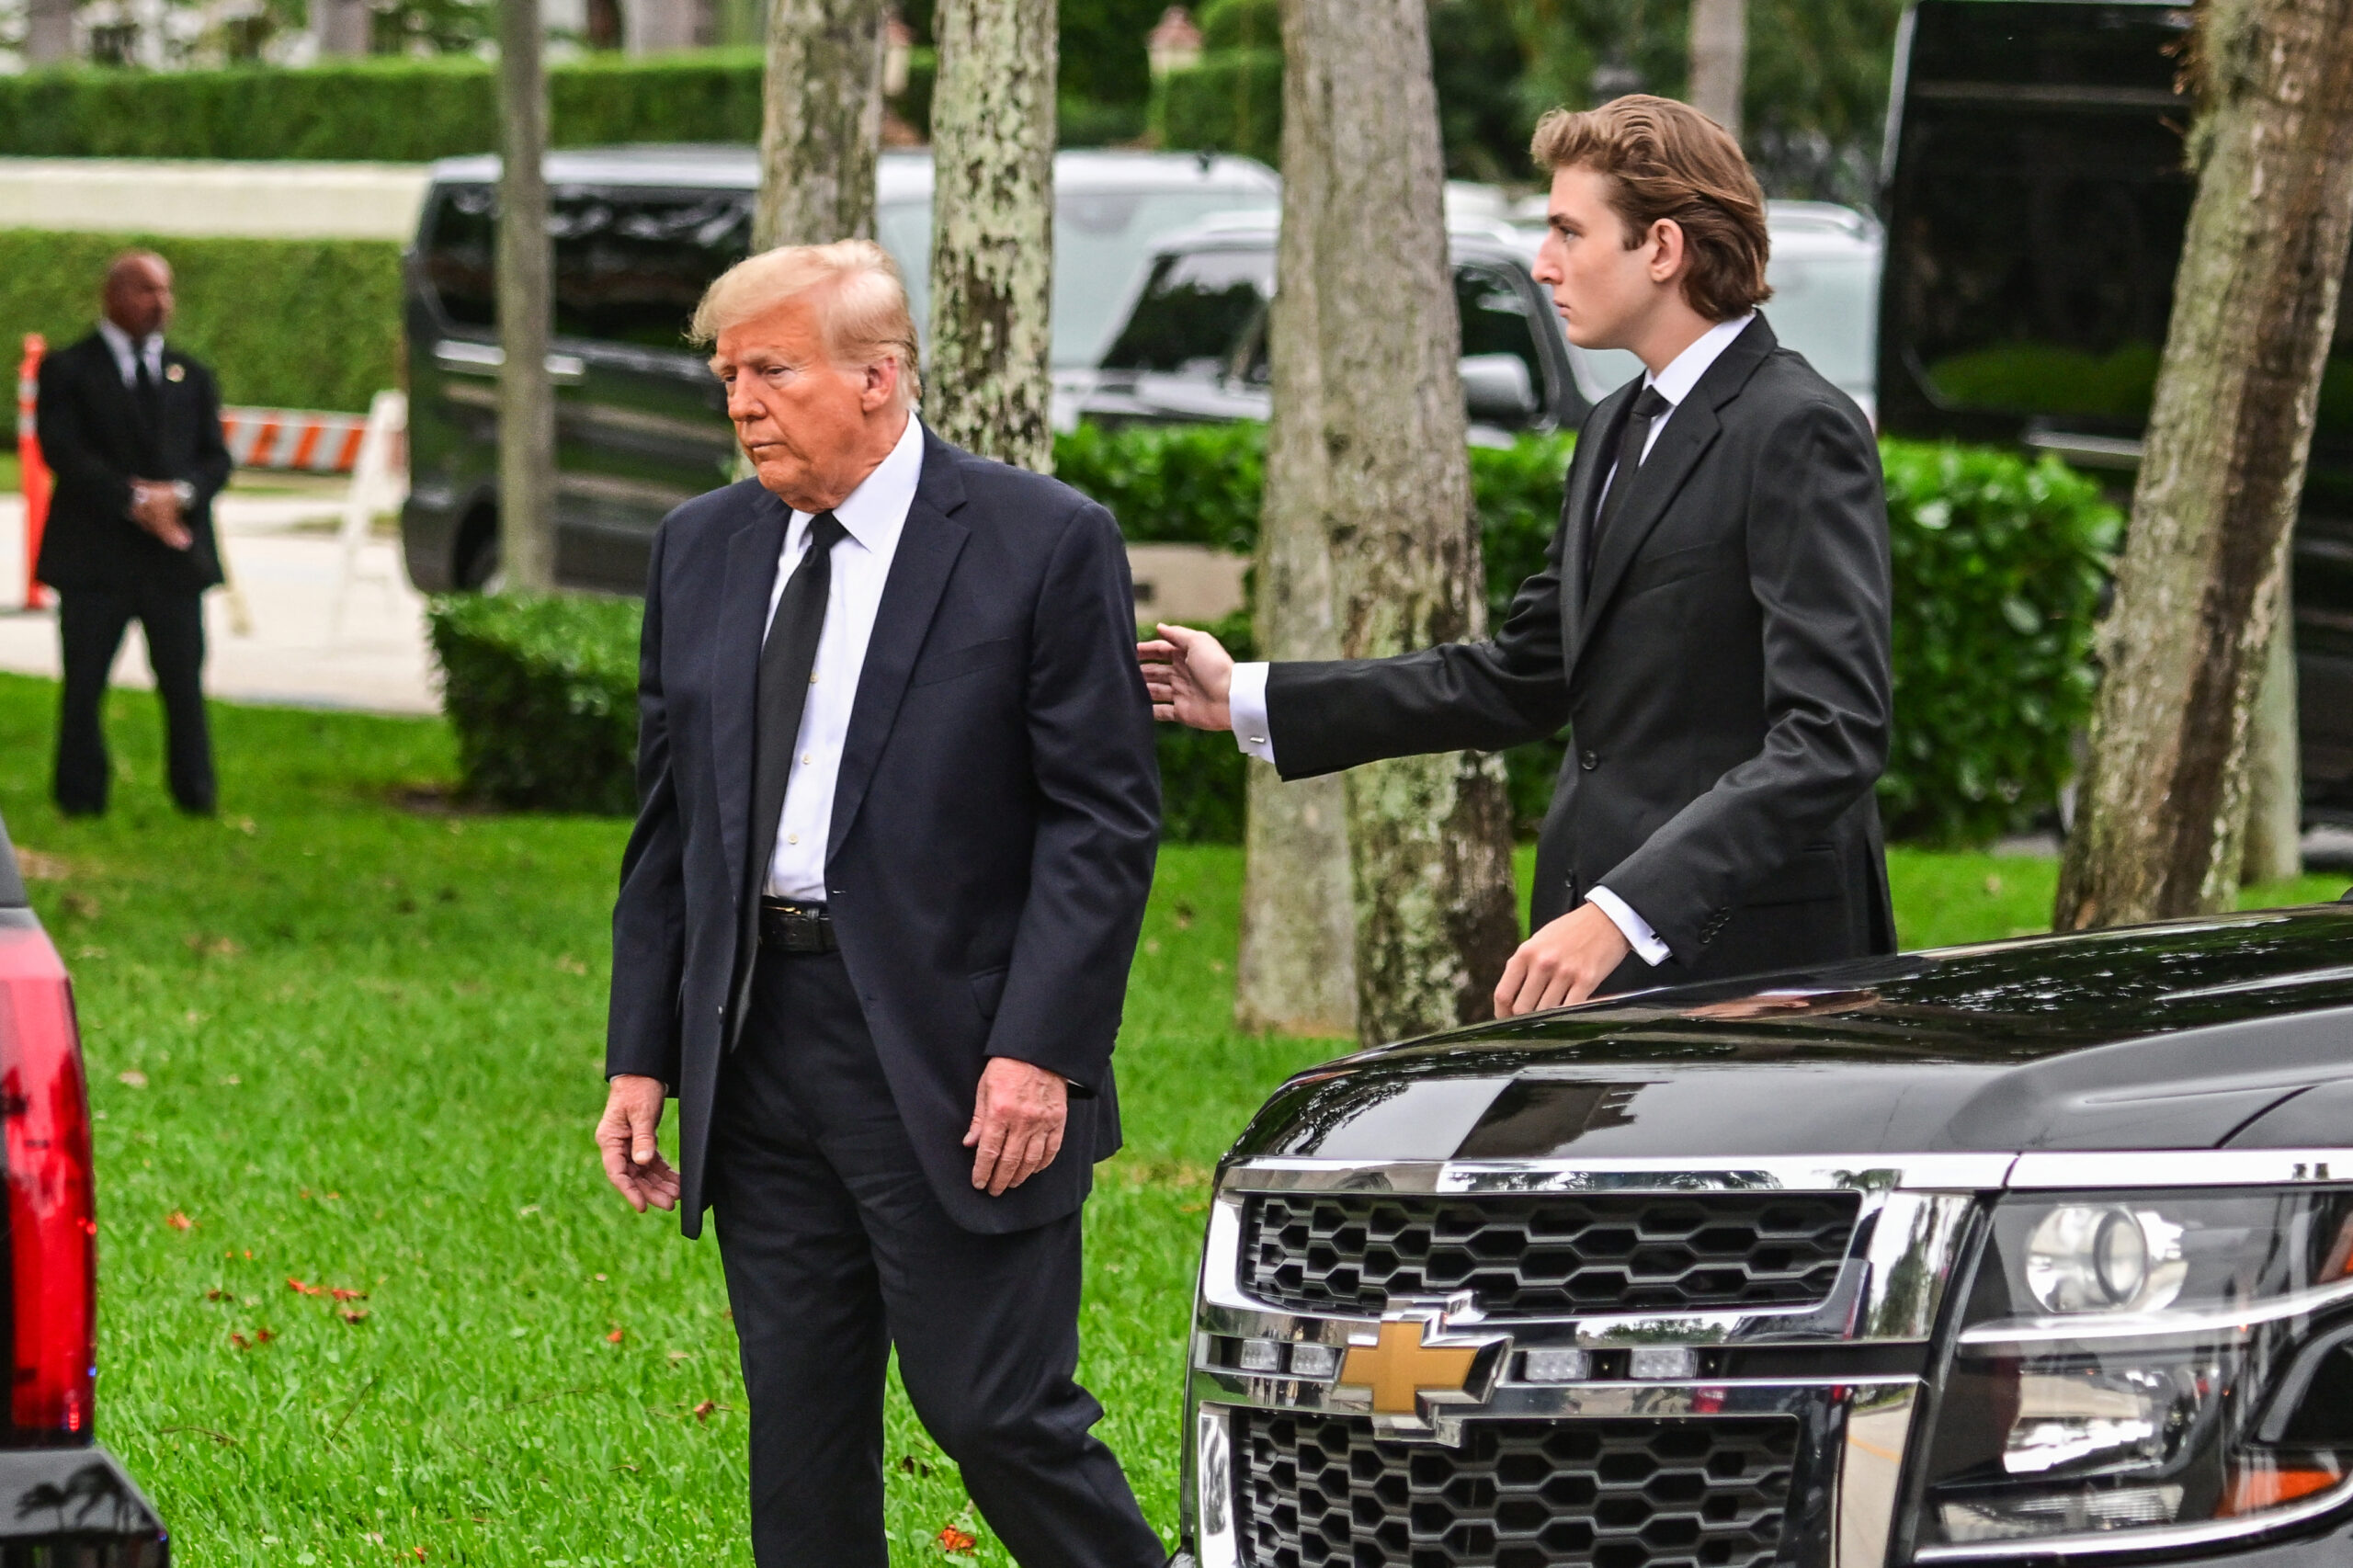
<point>2035,201</point>
<point>639,233</point>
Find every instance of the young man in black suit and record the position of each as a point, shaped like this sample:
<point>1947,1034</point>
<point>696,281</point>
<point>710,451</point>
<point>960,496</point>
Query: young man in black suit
<point>1711,623</point>
<point>899,812</point>
<point>132,428</point>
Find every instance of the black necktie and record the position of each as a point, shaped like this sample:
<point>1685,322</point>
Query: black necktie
<point>1631,441</point>
<point>787,659</point>
<point>149,395</point>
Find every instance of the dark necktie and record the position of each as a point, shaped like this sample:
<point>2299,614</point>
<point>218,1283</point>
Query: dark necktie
<point>149,395</point>
<point>786,661</point>
<point>1631,441</point>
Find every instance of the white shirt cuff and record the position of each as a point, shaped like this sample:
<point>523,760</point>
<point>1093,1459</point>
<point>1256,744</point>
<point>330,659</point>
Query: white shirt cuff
<point>1633,926</point>
<point>1245,703</point>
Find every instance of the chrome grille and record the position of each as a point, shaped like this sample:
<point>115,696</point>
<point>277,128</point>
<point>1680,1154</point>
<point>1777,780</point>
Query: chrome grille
<point>1539,1255</point>
<point>1316,1492</point>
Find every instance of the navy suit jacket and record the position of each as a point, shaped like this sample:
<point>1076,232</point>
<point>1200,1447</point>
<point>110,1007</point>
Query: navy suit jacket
<point>995,821</point>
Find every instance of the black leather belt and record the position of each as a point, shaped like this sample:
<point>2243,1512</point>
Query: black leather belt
<point>792,927</point>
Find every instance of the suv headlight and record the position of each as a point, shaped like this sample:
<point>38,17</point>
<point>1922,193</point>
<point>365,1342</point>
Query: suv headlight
<point>2144,1361</point>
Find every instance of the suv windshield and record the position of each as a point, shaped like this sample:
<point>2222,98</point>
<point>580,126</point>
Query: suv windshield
<point>1194,311</point>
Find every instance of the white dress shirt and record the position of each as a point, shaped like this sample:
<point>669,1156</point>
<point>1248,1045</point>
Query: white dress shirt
<point>127,354</point>
<point>872,517</point>
<point>1246,700</point>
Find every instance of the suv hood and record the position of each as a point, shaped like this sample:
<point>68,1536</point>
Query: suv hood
<point>2174,1036</point>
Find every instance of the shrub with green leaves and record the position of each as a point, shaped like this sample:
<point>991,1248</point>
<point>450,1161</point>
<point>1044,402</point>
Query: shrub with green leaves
<point>1999,566</point>
<point>541,692</point>
<point>285,324</point>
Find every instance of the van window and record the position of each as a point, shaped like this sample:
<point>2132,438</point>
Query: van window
<point>630,265</point>
<point>1498,318</point>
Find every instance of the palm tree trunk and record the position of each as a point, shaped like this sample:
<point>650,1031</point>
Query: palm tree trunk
<point>526,284</point>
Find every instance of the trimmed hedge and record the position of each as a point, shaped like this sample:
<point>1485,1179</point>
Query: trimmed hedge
<point>411,110</point>
<point>541,692</point>
<point>1999,568</point>
<point>285,324</point>
<point>1231,102</point>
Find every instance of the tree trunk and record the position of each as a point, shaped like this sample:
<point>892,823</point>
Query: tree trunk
<point>1368,453</point>
<point>1719,59</point>
<point>2275,762</point>
<point>526,397</point>
<point>2255,303</point>
<point>649,27</point>
<point>48,31</point>
<point>990,386</point>
<point>821,128</point>
<point>344,26</point>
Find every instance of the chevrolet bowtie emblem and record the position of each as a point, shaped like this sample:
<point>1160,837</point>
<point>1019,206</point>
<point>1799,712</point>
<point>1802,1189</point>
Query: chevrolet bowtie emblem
<point>1399,1366</point>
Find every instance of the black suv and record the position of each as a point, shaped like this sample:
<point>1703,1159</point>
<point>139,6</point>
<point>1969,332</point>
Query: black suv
<point>2033,1253</point>
<point>2035,203</point>
<point>63,1500</point>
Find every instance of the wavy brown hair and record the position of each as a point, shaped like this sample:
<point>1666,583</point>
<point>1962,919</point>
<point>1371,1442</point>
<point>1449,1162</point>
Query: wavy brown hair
<point>1668,160</point>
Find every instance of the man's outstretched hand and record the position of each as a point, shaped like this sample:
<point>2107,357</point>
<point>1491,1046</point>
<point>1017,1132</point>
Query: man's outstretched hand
<point>1562,963</point>
<point>1189,674</point>
<point>625,1137</point>
<point>1017,1119</point>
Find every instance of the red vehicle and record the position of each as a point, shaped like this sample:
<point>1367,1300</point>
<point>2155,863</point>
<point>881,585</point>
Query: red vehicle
<point>64,1501</point>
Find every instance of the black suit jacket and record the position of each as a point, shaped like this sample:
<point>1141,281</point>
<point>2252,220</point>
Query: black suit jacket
<point>994,825</point>
<point>1725,674</point>
<point>94,439</point>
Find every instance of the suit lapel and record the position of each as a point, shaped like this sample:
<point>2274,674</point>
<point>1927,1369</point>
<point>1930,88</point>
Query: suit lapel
<point>1690,430</point>
<point>752,556</point>
<point>928,546</point>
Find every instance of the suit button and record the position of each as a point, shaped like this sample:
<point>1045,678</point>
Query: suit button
<point>1589,759</point>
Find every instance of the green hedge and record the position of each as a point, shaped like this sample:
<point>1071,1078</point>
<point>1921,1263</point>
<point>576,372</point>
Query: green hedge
<point>403,110</point>
<point>1231,102</point>
<point>287,324</point>
<point>541,692</point>
<point>1999,565</point>
<point>1999,570</point>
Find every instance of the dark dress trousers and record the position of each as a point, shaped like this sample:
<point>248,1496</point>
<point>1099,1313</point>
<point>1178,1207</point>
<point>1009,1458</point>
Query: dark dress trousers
<point>995,823</point>
<point>1724,675</point>
<point>108,570</point>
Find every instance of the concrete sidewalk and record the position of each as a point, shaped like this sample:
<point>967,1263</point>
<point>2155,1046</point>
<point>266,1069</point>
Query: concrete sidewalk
<point>281,552</point>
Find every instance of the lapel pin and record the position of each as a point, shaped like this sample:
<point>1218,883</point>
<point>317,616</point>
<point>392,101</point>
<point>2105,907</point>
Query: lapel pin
<point>175,372</point>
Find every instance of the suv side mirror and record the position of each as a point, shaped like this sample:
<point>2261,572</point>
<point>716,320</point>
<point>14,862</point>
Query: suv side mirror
<point>1497,388</point>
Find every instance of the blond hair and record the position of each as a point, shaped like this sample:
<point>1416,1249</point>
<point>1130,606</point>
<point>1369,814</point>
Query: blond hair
<point>859,299</point>
<point>1668,160</point>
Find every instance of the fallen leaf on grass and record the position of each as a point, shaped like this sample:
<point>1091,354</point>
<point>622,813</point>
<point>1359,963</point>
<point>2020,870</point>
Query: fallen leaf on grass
<point>260,1336</point>
<point>357,1314</point>
<point>420,1552</point>
<point>212,946</point>
<point>953,1539</point>
<point>340,1294</point>
<point>702,1411</point>
<point>131,1078</point>
<point>616,1336</point>
<point>908,1466</point>
<point>294,1284</point>
<point>179,1222</point>
<point>571,965</point>
<point>217,1294</point>
<point>682,1355</point>
<point>40,868</point>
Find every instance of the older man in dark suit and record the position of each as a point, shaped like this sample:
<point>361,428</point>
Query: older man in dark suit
<point>899,815</point>
<point>1711,622</point>
<point>132,428</point>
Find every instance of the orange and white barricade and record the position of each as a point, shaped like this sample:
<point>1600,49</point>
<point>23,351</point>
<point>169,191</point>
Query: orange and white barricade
<point>35,480</point>
<point>293,438</point>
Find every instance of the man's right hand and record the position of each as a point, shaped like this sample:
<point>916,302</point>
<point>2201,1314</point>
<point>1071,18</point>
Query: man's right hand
<point>1190,675</point>
<point>156,507</point>
<point>634,1162</point>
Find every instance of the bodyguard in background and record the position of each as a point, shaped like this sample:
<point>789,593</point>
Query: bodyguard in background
<point>132,429</point>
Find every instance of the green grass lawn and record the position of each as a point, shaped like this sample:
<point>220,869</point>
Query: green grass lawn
<point>345,1037</point>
